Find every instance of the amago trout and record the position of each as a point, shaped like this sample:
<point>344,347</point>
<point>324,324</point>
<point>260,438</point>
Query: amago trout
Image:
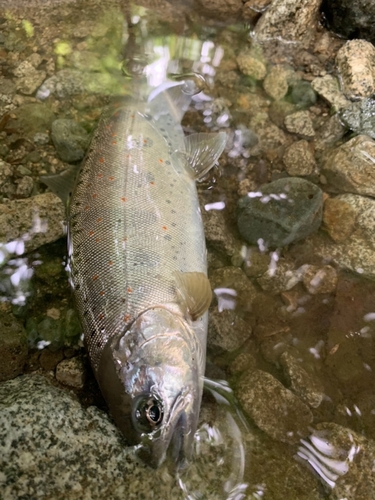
<point>138,268</point>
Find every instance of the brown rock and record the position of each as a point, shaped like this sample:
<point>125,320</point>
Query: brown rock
<point>356,64</point>
<point>49,360</point>
<point>339,219</point>
<point>299,159</point>
<point>13,346</point>
<point>320,279</point>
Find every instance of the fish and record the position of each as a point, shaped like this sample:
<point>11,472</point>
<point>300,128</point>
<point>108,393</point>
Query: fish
<point>138,267</point>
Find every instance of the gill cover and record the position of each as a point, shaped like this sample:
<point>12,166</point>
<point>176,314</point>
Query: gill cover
<point>151,380</point>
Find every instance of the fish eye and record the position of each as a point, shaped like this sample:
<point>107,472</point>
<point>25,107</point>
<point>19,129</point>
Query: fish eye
<point>148,413</point>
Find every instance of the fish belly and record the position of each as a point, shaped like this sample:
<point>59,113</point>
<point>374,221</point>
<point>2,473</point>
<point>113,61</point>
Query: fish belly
<point>134,220</point>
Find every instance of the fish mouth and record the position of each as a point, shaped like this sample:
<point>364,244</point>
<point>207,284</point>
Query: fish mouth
<point>174,442</point>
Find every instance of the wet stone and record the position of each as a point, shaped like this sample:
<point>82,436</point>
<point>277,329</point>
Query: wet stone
<point>356,65</point>
<point>302,94</point>
<point>299,159</point>
<point>338,219</point>
<point>29,79</point>
<point>288,20</point>
<point>70,140</point>
<point>242,363</point>
<point>24,187</point>
<point>350,167</point>
<point>251,64</point>
<point>320,279</point>
<point>276,82</point>
<point>285,211</point>
<point>7,187</point>
<point>300,123</point>
<point>356,253</point>
<point>36,221</point>
<point>217,233</point>
<point>360,117</point>
<point>351,19</point>
<point>232,288</point>
<point>31,119</point>
<point>71,372</point>
<point>280,277</point>
<point>328,87</point>
<point>38,420</point>
<point>227,331</point>
<point>302,383</point>
<point>274,409</point>
<point>13,346</point>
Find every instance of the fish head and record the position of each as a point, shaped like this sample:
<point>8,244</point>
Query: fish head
<point>152,379</point>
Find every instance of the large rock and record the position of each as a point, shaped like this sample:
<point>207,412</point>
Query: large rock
<point>356,252</point>
<point>350,167</point>
<point>275,409</point>
<point>356,65</point>
<point>282,212</point>
<point>289,20</point>
<point>351,18</point>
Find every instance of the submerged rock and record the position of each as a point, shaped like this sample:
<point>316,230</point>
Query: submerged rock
<point>328,87</point>
<point>360,117</point>
<point>356,252</point>
<point>356,65</point>
<point>13,346</point>
<point>302,383</point>
<point>70,140</point>
<point>283,211</point>
<point>299,159</point>
<point>274,409</point>
<point>344,460</point>
<point>350,167</point>
<point>289,20</point>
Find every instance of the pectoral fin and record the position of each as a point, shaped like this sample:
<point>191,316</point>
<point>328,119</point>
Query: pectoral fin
<point>202,152</point>
<point>195,292</point>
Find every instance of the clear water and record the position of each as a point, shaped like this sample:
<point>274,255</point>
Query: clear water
<point>104,45</point>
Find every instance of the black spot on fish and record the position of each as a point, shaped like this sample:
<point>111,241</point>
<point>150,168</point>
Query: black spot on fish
<point>92,334</point>
<point>168,237</point>
<point>167,162</point>
<point>168,201</point>
<point>173,224</point>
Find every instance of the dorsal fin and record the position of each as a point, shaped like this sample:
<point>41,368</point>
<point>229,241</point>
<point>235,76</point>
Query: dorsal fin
<point>195,292</point>
<point>62,184</point>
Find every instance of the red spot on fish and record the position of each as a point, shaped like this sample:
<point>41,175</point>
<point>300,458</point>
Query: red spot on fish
<point>114,135</point>
<point>111,178</point>
<point>97,240</point>
<point>129,290</point>
<point>160,160</point>
<point>95,277</point>
<point>101,161</point>
<point>91,233</point>
<point>152,183</point>
<point>127,156</point>
<point>102,292</point>
<point>87,207</point>
<point>165,228</point>
<point>114,142</point>
<point>101,316</point>
<point>126,317</point>
<point>123,199</point>
<point>94,196</point>
<point>110,262</point>
<point>99,219</point>
<point>99,176</point>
